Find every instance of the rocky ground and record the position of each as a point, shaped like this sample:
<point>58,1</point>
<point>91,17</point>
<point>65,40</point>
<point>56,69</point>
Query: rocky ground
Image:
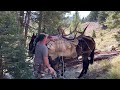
<point>70,73</point>
<point>95,71</point>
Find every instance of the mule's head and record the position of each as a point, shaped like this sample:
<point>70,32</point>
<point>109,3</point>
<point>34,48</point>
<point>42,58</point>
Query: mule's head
<point>31,44</point>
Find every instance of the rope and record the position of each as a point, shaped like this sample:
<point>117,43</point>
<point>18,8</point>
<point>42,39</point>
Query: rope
<point>63,66</point>
<point>57,52</point>
<point>87,46</point>
<point>62,57</point>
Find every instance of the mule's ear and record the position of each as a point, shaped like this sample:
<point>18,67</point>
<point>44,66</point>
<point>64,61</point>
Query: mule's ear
<point>33,34</point>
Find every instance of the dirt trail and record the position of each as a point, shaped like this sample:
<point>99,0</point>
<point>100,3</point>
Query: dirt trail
<point>74,67</point>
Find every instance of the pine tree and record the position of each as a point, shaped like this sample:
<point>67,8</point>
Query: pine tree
<point>102,16</point>
<point>75,21</point>
<point>13,52</point>
<point>113,19</point>
<point>48,21</point>
<point>92,17</point>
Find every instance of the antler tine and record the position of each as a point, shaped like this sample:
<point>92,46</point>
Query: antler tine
<point>73,30</point>
<point>76,30</point>
<point>85,29</point>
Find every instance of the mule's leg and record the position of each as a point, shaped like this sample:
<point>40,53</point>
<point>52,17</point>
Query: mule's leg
<point>83,69</point>
<point>57,75</point>
<point>81,74</point>
<point>56,69</point>
<point>92,56</point>
<point>63,69</point>
<point>62,66</point>
<point>85,66</point>
<point>53,65</point>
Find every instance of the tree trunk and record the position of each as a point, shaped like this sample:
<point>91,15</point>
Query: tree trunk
<point>27,21</point>
<point>1,68</point>
<point>40,22</point>
<point>22,19</point>
<point>44,28</point>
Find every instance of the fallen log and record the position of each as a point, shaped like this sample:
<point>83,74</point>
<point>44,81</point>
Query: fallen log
<point>73,63</point>
<point>98,56</point>
<point>105,56</point>
<point>102,56</point>
<point>97,52</point>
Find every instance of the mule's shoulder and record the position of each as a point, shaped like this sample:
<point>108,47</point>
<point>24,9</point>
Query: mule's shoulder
<point>88,37</point>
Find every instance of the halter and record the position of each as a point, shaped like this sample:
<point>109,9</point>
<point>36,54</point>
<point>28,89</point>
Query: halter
<point>87,46</point>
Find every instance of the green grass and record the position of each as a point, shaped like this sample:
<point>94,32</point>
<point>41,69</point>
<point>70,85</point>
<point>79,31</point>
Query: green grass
<point>106,40</point>
<point>106,69</point>
<point>114,72</point>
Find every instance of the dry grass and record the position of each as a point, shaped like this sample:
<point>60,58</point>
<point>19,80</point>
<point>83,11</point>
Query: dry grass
<point>102,42</point>
<point>106,69</point>
<point>98,70</point>
<point>105,39</point>
<point>114,72</point>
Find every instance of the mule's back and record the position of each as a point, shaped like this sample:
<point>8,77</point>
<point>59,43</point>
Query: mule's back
<point>62,47</point>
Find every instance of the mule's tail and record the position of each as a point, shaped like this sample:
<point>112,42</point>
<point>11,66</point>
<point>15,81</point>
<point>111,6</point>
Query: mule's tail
<point>92,56</point>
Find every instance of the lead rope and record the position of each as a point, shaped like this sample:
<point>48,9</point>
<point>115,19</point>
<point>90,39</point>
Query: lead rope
<point>63,64</point>
<point>87,45</point>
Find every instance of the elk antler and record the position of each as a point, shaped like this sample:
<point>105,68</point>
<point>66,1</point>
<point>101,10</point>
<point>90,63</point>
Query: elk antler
<point>82,33</point>
<point>72,31</point>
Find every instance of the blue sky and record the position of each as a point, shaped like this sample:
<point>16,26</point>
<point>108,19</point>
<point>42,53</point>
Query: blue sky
<point>81,13</point>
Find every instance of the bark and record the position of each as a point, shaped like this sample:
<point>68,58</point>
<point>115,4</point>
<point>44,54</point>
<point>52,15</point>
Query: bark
<point>44,29</point>
<point>40,22</point>
<point>1,67</point>
<point>27,21</point>
<point>22,19</point>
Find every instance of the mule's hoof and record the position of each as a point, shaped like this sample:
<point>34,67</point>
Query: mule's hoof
<point>62,74</point>
<point>78,77</point>
<point>91,62</point>
<point>85,72</point>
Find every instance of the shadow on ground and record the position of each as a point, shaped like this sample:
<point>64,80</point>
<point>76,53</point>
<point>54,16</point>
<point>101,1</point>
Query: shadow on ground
<point>97,73</point>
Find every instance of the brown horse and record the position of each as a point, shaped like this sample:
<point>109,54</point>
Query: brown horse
<point>84,48</point>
